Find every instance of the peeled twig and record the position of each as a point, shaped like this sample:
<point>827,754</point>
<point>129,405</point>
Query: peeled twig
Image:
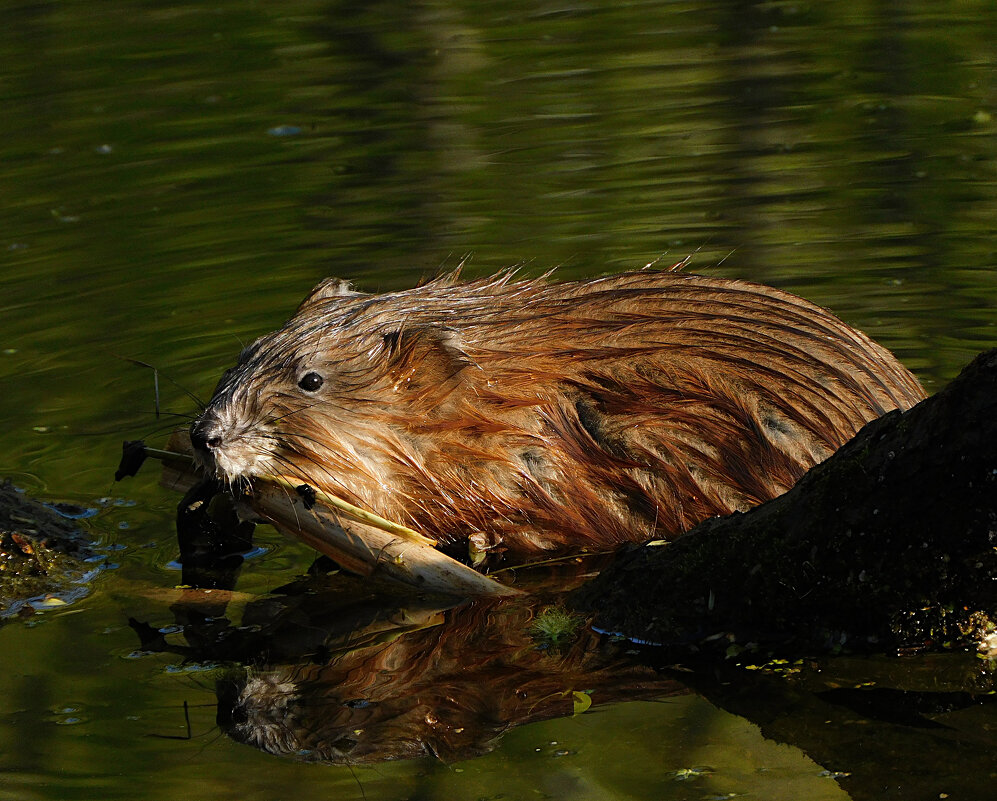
<point>355,512</point>
<point>365,549</point>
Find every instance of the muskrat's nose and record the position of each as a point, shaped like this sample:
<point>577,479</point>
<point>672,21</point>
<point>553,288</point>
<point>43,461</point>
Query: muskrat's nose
<point>203,437</point>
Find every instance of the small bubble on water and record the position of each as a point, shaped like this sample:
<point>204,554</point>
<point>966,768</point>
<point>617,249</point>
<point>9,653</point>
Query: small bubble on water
<point>284,130</point>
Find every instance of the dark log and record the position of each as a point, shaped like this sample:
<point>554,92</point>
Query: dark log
<point>889,544</point>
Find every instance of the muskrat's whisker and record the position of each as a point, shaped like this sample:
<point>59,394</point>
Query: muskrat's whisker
<point>349,764</point>
<point>353,511</point>
<point>209,742</point>
<point>282,446</point>
<point>156,372</point>
<point>169,425</point>
<point>323,470</point>
<point>182,415</point>
<point>295,470</point>
<point>291,413</point>
<point>306,407</point>
<point>290,501</point>
<point>281,440</point>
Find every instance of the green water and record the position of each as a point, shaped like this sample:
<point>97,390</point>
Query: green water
<point>175,177</point>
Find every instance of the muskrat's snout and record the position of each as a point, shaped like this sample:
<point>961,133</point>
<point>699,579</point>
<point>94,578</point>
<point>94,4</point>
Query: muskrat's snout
<point>206,438</point>
<point>227,446</point>
<point>206,434</point>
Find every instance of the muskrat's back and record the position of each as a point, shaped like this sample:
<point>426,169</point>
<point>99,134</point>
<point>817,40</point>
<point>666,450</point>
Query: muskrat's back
<point>534,417</point>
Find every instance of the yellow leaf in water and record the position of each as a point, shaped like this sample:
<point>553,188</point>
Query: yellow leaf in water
<point>582,702</point>
<point>48,603</point>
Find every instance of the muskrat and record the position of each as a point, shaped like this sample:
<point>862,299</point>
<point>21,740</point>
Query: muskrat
<point>530,417</point>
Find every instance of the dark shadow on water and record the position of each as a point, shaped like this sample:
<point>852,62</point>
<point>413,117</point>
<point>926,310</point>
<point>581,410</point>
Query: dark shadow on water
<point>921,727</point>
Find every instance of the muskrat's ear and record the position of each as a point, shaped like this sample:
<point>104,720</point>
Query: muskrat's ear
<point>427,357</point>
<point>325,289</point>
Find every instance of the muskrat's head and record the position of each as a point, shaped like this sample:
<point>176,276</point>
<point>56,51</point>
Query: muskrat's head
<point>329,398</point>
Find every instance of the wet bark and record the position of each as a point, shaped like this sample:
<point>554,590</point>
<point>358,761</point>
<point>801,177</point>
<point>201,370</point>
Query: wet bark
<point>890,543</point>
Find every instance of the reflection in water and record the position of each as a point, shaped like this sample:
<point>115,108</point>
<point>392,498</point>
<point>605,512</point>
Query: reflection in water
<point>445,685</point>
<point>348,681</point>
<point>331,670</point>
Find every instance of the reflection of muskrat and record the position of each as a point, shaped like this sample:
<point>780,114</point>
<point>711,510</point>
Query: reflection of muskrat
<point>535,417</point>
<point>448,688</point>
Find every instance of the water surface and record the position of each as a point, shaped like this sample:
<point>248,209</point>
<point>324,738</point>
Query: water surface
<point>175,177</point>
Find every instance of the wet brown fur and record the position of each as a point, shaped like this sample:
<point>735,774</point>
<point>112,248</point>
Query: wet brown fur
<point>538,417</point>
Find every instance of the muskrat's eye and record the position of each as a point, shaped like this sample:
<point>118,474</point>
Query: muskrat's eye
<point>310,382</point>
